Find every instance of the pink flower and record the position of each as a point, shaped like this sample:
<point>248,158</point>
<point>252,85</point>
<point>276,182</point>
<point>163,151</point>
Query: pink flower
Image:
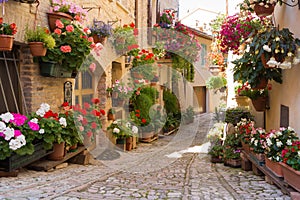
<point>90,39</point>
<point>66,49</point>
<point>19,119</point>
<point>33,126</point>
<point>92,67</point>
<point>17,133</point>
<point>70,28</point>
<point>81,128</point>
<point>57,31</point>
<point>59,24</point>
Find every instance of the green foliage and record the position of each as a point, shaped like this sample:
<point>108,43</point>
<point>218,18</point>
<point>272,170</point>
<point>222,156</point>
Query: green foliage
<point>216,23</point>
<point>188,115</point>
<point>184,67</point>
<point>121,129</point>
<point>216,150</point>
<point>40,34</point>
<point>171,103</point>
<point>216,82</point>
<point>234,115</point>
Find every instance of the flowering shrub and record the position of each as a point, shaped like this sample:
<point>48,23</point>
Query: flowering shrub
<point>244,128</point>
<point>167,18</point>
<point>258,140</point>
<point>237,29</point>
<point>7,29</point>
<point>88,117</point>
<point>17,132</point>
<point>291,155</point>
<point>123,129</point>
<point>125,38</point>
<point>76,11</point>
<point>277,140</point>
<point>72,45</point>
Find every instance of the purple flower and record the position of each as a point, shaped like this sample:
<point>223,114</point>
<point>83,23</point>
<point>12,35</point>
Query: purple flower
<point>33,126</point>
<point>2,134</point>
<point>19,119</point>
<point>2,1</point>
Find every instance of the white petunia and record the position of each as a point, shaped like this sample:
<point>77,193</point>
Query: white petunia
<point>2,126</point>
<point>41,131</point>
<point>289,142</point>
<point>116,130</point>
<point>63,121</point>
<point>9,133</point>
<point>6,117</point>
<point>279,144</point>
<point>21,139</point>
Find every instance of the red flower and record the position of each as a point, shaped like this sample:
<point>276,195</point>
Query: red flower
<point>86,105</point>
<point>102,112</point>
<point>89,134</point>
<point>95,100</point>
<point>132,25</point>
<point>66,49</point>
<point>84,121</point>
<point>94,112</point>
<point>1,20</point>
<point>57,31</point>
<point>137,115</point>
<point>135,32</point>
<point>65,104</point>
<point>59,24</point>
<point>77,17</point>
<point>83,111</point>
<point>70,28</point>
<point>144,121</point>
<point>94,125</point>
<point>137,111</point>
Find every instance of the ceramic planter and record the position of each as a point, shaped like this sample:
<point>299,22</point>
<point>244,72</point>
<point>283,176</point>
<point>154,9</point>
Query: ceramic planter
<point>6,42</point>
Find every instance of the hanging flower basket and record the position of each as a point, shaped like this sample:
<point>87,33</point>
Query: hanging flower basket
<point>262,84</point>
<point>6,42</point>
<point>52,69</point>
<point>259,103</point>
<point>99,39</point>
<point>52,17</point>
<point>37,48</point>
<point>262,11</point>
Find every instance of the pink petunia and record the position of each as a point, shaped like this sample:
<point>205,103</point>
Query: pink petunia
<point>70,28</point>
<point>59,24</point>
<point>66,49</point>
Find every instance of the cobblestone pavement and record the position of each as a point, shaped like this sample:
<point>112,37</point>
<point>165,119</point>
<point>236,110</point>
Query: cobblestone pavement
<point>148,172</point>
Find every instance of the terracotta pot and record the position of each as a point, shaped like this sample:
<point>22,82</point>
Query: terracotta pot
<point>37,48</point>
<point>242,101</point>
<point>99,39</point>
<point>275,167</point>
<point>262,11</point>
<point>58,151</point>
<point>291,176</point>
<point>6,42</point>
<point>262,83</point>
<point>259,103</point>
<point>216,159</point>
<point>52,17</point>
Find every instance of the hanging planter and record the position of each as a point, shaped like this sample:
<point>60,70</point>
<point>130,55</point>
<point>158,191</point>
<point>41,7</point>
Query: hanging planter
<point>262,83</point>
<point>52,69</point>
<point>100,39</point>
<point>52,17</point>
<point>263,11</point>
<point>259,103</point>
<point>6,42</point>
<point>37,48</point>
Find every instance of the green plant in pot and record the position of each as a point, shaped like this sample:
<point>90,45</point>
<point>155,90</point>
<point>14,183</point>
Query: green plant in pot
<point>216,83</point>
<point>39,40</point>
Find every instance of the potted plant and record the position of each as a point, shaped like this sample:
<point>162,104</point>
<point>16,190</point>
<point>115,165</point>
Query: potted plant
<point>6,35</point>
<point>244,128</point>
<point>188,115</point>
<point>125,38</point>
<point>275,46</point>
<point>167,18</point>
<point>276,141</point>
<point>215,137</point>
<point>100,31</point>
<point>257,144</point>
<point>290,164</point>
<point>71,49</point>
<point>261,7</point>
<point>216,83</point>
<point>62,9</point>
<point>39,40</point>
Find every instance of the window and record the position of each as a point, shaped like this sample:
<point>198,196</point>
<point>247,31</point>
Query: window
<point>203,54</point>
<point>84,87</point>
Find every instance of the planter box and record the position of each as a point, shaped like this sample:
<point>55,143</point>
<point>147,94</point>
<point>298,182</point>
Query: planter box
<point>291,176</point>
<point>233,163</point>
<point>18,161</point>
<point>275,167</point>
<point>51,69</point>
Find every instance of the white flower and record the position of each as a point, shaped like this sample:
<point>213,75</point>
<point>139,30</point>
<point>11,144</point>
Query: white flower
<point>285,65</point>
<point>272,62</point>
<point>128,125</point>
<point>290,54</point>
<point>267,48</point>
<point>14,144</point>
<point>63,121</point>
<point>135,129</point>
<point>40,112</point>
<point>2,126</point>
<point>289,142</point>
<point>41,131</point>
<point>45,107</point>
<point>9,133</point>
<point>34,120</point>
<point>277,51</point>
<point>277,158</point>
<point>277,39</point>
<point>116,130</point>
<point>21,139</point>
<point>279,143</point>
<point>115,122</point>
<point>6,117</point>
<point>279,133</point>
<point>255,142</point>
<point>298,153</point>
<point>269,142</point>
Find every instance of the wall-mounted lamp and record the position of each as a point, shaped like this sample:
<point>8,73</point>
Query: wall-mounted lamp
<point>292,4</point>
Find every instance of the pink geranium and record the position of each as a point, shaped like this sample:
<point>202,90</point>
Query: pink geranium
<point>57,31</point>
<point>70,28</point>
<point>59,24</point>
<point>66,49</point>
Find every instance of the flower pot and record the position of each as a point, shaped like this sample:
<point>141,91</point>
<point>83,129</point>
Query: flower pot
<point>110,116</point>
<point>58,151</point>
<point>129,144</point>
<point>242,101</point>
<point>52,17</point>
<point>275,167</point>
<point>99,39</point>
<point>291,176</point>
<point>37,48</point>
<point>233,162</point>
<point>46,68</point>
<point>52,69</point>
<point>262,11</point>
<point>259,103</point>
<point>6,42</point>
<point>214,159</point>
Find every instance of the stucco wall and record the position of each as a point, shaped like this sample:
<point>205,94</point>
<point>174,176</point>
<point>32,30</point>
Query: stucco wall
<point>286,93</point>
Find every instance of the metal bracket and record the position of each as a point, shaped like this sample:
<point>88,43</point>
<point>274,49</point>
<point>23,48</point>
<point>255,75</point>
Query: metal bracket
<point>91,8</point>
